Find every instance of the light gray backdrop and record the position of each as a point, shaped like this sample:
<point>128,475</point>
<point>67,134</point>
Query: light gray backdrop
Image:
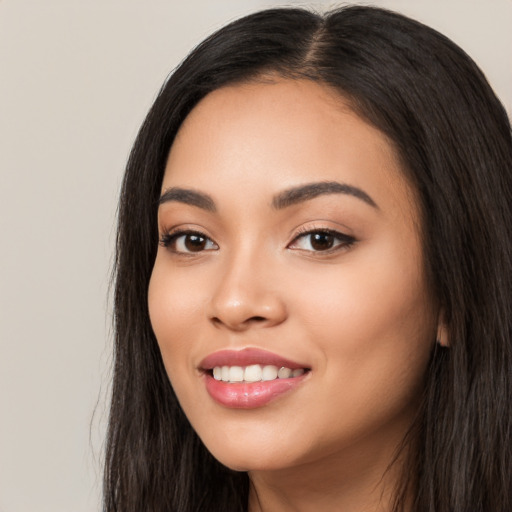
<point>76,78</point>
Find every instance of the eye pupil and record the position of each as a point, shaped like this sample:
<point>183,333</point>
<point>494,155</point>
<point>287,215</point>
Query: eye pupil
<point>322,241</point>
<point>195,243</point>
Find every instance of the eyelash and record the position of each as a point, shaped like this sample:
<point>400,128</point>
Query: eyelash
<point>169,240</point>
<point>345,241</point>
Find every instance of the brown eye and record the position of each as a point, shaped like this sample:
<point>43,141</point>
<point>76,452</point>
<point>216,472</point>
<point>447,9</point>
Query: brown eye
<point>194,243</point>
<point>321,241</point>
<point>187,242</point>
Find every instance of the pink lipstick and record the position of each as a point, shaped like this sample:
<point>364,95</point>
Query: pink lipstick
<point>250,378</point>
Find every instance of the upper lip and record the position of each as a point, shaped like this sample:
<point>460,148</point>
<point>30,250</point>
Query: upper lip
<point>246,357</point>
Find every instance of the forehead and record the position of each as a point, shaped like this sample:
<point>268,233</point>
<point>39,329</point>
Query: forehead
<point>281,133</point>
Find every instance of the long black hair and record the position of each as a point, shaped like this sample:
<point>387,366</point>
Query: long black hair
<point>454,141</point>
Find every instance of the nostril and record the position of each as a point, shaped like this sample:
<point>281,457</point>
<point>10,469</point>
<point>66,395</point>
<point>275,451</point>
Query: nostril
<point>239,325</point>
<point>241,305</point>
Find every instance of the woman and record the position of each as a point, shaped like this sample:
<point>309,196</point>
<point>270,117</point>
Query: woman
<point>313,284</point>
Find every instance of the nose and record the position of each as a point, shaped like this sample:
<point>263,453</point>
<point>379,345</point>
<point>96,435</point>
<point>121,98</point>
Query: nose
<point>246,296</point>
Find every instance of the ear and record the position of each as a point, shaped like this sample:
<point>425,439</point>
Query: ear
<point>442,332</point>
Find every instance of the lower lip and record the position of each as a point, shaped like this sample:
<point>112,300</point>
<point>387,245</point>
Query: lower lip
<point>249,395</point>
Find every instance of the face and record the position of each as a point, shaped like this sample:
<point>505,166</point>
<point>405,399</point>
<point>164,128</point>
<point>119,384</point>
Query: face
<point>288,295</point>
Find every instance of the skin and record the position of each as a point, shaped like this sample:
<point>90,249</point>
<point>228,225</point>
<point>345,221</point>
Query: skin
<point>360,315</point>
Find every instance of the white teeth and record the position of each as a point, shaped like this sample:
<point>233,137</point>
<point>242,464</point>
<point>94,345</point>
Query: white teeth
<point>236,374</point>
<point>269,373</point>
<point>217,373</point>
<point>254,373</point>
<point>284,373</point>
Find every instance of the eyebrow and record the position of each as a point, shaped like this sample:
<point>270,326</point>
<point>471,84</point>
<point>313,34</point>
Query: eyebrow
<point>309,191</point>
<point>282,200</point>
<point>188,196</point>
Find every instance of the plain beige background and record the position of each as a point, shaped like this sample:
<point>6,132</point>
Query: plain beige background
<point>76,78</point>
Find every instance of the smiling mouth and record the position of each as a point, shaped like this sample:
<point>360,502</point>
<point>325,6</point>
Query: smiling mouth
<point>250,378</point>
<point>254,373</point>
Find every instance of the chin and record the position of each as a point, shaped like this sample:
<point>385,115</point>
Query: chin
<point>259,462</point>
<point>247,456</point>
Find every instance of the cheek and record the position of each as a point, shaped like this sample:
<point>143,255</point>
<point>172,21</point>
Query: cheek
<point>373,315</point>
<point>174,303</point>
<point>375,329</point>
